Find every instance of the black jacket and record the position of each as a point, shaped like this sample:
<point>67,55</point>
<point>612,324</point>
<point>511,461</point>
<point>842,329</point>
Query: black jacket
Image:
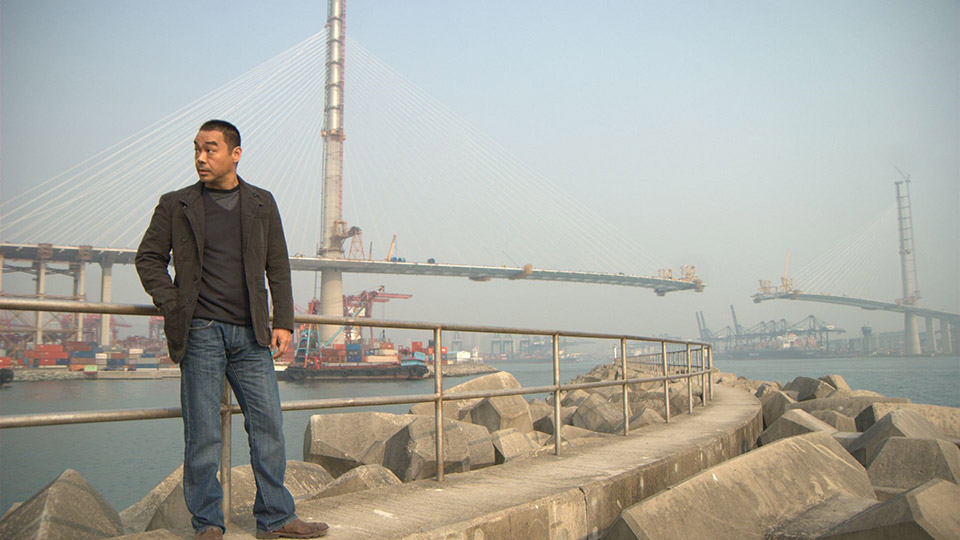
<point>178,226</point>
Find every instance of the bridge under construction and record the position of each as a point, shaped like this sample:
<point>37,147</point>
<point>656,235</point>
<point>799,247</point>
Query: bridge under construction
<point>944,341</point>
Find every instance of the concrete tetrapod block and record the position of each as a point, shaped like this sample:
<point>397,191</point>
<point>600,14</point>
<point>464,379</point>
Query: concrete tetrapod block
<point>479,443</point>
<point>947,419</point>
<point>68,507</point>
<point>359,479</point>
<point>836,381</point>
<point>611,393</point>
<point>841,422</point>
<point>747,495</point>
<point>572,398</point>
<point>678,400</point>
<point>340,442</point>
<point>809,388</point>
<point>538,410</point>
<point>411,452</point>
<point>509,444</point>
<point>793,423</point>
<point>501,380</point>
<point>774,405</point>
<point>171,513</point>
<point>136,517</point>
<point>850,406</point>
<point>766,390</point>
<point>453,410</point>
<point>503,412</point>
<point>598,414</point>
<point>840,393</point>
<point>901,464</point>
<point>545,424</point>
<point>644,417</point>
<point>301,480</point>
<point>847,438</point>
<point>573,435</point>
<point>899,423</point>
<point>927,511</point>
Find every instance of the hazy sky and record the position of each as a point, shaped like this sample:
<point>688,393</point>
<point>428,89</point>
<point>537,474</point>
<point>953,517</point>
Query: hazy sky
<point>722,134</point>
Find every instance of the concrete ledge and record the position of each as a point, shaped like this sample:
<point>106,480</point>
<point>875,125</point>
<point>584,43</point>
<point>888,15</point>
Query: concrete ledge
<point>576,495</point>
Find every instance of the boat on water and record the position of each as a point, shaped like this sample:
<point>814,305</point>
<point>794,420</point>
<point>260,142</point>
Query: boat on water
<point>363,359</point>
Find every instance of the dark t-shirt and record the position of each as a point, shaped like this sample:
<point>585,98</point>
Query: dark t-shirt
<point>223,293</point>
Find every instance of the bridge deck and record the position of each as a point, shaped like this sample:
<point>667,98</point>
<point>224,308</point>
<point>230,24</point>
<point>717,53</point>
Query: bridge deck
<point>71,254</point>
<point>856,302</point>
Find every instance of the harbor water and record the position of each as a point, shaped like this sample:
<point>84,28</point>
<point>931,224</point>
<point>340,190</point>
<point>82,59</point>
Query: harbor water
<point>124,460</point>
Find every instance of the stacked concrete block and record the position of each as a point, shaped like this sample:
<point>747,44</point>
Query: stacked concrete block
<point>68,507</point>
<point>359,479</point>
<point>503,412</point>
<point>138,515</point>
<point>947,419</point>
<point>340,442</point>
<point>836,381</point>
<point>510,444</point>
<point>809,388</point>
<point>774,404</point>
<point>545,424</point>
<point>791,423</point>
<point>411,452</point>
<point>598,414</point>
<point>850,406</point>
<point>782,479</point>
<point>899,423</point>
<point>839,421</point>
<point>927,511</point>
<point>900,464</point>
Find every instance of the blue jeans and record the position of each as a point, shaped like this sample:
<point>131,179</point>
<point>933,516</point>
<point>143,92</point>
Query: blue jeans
<point>215,349</point>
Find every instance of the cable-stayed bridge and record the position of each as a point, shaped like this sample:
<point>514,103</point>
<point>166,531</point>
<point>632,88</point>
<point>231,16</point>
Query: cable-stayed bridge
<point>856,264</point>
<point>413,171</point>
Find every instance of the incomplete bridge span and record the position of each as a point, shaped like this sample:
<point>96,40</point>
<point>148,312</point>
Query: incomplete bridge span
<point>908,304</point>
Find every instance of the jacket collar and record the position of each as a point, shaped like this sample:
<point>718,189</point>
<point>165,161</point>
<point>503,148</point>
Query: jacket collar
<point>249,202</point>
<point>192,201</point>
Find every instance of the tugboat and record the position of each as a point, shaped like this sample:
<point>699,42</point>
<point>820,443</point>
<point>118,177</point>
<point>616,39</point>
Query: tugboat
<point>6,375</point>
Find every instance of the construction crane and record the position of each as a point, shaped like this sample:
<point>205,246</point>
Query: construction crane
<point>357,306</point>
<point>393,244</point>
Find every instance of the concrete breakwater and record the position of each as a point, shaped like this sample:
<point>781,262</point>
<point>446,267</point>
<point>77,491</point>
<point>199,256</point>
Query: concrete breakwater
<point>373,482</point>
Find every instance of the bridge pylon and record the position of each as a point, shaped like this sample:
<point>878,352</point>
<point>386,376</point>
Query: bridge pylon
<point>908,267</point>
<point>331,280</point>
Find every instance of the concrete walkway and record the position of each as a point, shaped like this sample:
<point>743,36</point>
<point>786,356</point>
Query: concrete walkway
<point>576,495</point>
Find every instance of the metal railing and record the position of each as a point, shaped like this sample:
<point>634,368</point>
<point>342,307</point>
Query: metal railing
<point>669,365</point>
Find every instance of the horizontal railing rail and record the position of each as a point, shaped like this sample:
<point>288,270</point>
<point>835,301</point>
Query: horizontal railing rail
<point>673,365</point>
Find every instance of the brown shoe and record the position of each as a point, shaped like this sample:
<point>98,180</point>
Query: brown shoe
<point>297,529</point>
<point>209,534</point>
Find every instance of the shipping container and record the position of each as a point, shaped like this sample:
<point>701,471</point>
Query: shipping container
<point>377,359</point>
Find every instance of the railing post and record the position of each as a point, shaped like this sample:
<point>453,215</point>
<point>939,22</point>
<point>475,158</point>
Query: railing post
<point>438,389</point>
<point>710,371</point>
<point>689,382</point>
<point>225,440</point>
<point>666,383</point>
<point>703,386</point>
<point>626,404</point>
<point>556,394</point>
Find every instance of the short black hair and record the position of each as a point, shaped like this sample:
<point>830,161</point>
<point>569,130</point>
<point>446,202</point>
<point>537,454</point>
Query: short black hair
<point>231,135</point>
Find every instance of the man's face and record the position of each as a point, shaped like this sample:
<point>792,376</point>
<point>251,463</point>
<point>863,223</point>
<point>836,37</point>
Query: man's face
<point>216,164</point>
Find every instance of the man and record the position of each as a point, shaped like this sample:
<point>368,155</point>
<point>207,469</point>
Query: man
<point>225,235</point>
